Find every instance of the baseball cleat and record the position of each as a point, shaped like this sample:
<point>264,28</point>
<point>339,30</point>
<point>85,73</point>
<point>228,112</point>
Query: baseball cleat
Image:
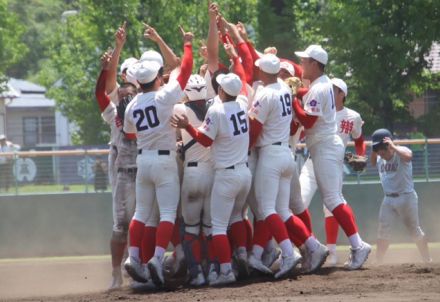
<point>223,279</point>
<point>332,259</point>
<point>140,286</point>
<point>288,264</point>
<point>242,265</point>
<point>116,279</point>
<point>258,265</point>
<point>173,266</point>
<point>270,257</point>
<point>316,259</point>
<point>135,269</point>
<point>212,273</point>
<point>199,280</point>
<point>358,256</point>
<point>156,271</point>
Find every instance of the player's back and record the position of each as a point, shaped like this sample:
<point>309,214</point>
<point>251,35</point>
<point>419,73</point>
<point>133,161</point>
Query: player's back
<point>227,125</point>
<point>349,123</point>
<point>272,107</point>
<point>319,101</point>
<point>149,114</point>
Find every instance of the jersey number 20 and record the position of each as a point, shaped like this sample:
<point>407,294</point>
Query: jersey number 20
<point>149,114</point>
<point>237,119</point>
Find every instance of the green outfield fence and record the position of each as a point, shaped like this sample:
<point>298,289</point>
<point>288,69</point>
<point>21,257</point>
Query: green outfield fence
<point>83,170</point>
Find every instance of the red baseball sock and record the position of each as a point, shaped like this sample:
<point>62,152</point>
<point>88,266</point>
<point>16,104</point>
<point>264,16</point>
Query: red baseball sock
<point>306,218</point>
<point>222,248</point>
<point>276,227</point>
<point>248,225</point>
<point>136,231</point>
<point>195,246</point>
<point>331,229</point>
<point>261,233</point>
<point>211,249</point>
<point>345,217</point>
<point>148,243</point>
<point>238,234</point>
<point>164,234</point>
<point>298,232</point>
<point>175,239</point>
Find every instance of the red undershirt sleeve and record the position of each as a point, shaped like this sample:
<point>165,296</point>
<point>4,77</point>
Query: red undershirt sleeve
<point>293,127</point>
<point>239,70</point>
<point>301,92</point>
<point>359,145</point>
<point>255,130</point>
<point>201,138</point>
<point>248,63</point>
<point>186,66</point>
<point>101,96</point>
<point>306,120</point>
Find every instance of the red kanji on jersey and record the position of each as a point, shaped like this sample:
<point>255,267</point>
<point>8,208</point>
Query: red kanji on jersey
<point>346,126</point>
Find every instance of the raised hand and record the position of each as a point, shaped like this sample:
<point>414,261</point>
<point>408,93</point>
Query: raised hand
<point>187,36</point>
<point>212,10</point>
<point>151,33</point>
<point>121,34</point>
<point>179,121</point>
<point>242,30</point>
<point>230,50</point>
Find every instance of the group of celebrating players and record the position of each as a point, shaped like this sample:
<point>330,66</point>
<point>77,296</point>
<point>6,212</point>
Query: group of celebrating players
<point>192,154</point>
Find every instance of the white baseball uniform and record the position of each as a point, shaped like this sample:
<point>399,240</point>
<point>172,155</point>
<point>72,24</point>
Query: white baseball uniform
<point>148,115</point>
<point>400,197</point>
<point>272,107</point>
<point>325,146</point>
<point>122,158</point>
<point>349,124</point>
<point>227,125</point>
<point>198,178</point>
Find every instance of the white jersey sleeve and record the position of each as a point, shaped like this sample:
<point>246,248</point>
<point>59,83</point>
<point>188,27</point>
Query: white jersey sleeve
<point>210,125</point>
<point>170,94</point>
<point>129,125</point>
<point>313,103</point>
<point>357,127</point>
<point>109,114</point>
<point>114,95</point>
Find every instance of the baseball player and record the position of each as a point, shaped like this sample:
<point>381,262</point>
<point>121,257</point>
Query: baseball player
<point>198,177</point>
<point>225,129</point>
<point>148,117</point>
<point>400,200</point>
<point>125,164</point>
<point>349,123</point>
<point>271,116</point>
<point>326,148</point>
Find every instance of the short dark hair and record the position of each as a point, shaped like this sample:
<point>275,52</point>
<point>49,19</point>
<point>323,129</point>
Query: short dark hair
<point>128,85</point>
<point>321,66</point>
<point>214,76</point>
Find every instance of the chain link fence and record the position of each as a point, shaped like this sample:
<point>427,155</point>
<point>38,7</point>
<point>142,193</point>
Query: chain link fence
<point>85,170</point>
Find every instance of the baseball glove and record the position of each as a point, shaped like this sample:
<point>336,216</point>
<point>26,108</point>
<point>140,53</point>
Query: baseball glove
<point>357,162</point>
<point>294,83</point>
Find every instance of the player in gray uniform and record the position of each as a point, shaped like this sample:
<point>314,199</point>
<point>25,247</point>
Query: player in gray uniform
<point>125,164</point>
<point>395,171</point>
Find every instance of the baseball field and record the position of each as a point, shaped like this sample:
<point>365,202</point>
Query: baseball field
<point>402,278</point>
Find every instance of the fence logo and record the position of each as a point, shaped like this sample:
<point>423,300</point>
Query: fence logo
<point>25,169</point>
<point>85,168</point>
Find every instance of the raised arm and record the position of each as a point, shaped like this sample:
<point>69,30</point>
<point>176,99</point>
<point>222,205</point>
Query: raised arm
<point>169,56</point>
<point>187,60</point>
<point>120,38</point>
<point>243,52</point>
<point>404,153</point>
<point>101,96</point>
<point>212,43</point>
<point>238,67</point>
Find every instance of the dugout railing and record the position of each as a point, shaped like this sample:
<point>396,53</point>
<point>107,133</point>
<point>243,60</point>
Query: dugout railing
<point>85,170</point>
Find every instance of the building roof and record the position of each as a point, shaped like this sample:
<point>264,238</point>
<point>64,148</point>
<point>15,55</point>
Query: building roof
<point>26,86</point>
<point>434,57</point>
<point>25,94</point>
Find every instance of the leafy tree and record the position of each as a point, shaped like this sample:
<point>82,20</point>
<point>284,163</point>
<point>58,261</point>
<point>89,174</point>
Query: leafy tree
<point>11,48</point>
<point>378,47</point>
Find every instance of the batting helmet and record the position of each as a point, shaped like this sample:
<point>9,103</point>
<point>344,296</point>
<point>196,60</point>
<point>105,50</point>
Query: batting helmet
<point>377,138</point>
<point>196,88</point>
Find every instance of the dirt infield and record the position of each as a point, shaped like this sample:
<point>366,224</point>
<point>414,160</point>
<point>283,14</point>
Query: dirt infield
<point>404,278</point>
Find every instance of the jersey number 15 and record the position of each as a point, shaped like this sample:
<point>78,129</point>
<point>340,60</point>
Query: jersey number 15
<point>239,122</point>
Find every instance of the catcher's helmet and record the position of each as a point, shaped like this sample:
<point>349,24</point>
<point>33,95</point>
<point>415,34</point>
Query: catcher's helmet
<point>378,136</point>
<point>196,88</point>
